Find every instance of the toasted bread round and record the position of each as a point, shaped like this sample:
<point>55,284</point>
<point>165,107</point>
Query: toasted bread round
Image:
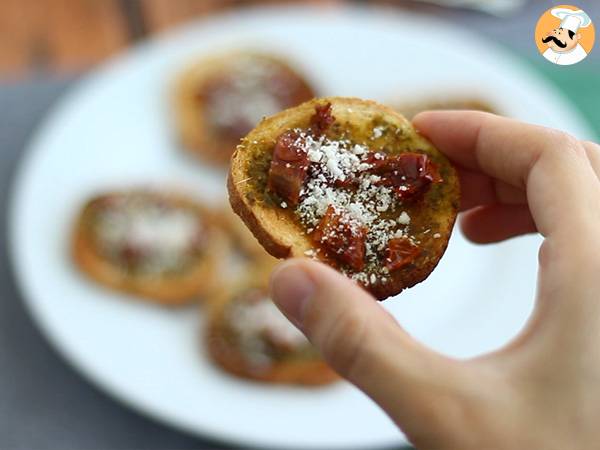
<point>241,254</point>
<point>219,99</point>
<point>120,247</point>
<point>248,337</point>
<point>424,222</point>
<point>243,242</point>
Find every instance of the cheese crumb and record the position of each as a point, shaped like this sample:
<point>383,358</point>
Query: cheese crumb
<point>259,322</point>
<point>359,150</point>
<point>404,218</point>
<point>437,236</point>
<point>377,132</point>
<point>314,155</point>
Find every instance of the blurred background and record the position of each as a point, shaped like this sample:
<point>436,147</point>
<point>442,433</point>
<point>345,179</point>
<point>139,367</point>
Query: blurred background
<point>45,47</point>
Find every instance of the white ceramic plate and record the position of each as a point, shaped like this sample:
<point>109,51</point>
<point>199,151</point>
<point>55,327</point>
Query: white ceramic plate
<point>114,131</point>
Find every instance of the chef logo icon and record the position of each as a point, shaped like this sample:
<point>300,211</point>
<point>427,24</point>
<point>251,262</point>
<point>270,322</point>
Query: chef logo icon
<point>565,35</point>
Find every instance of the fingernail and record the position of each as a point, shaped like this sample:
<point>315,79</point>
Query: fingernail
<point>291,287</point>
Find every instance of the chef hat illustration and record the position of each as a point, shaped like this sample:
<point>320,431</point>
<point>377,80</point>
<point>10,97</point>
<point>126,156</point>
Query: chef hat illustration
<point>572,20</point>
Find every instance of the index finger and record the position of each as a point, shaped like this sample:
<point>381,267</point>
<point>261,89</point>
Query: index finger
<point>551,166</point>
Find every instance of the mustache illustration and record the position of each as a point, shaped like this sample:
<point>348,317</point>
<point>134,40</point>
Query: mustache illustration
<point>556,41</point>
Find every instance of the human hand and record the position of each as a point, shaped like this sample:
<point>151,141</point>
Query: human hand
<point>542,390</point>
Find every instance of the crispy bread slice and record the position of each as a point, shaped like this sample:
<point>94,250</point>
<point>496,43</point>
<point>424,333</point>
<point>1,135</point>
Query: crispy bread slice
<point>241,254</point>
<point>243,241</point>
<point>225,351</point>
<point>170,289</point>
<point>279,230</point>
<point>193,122</point>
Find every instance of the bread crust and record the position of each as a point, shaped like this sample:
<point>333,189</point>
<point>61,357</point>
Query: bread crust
<point>195,133</point>
<point>284,237</point>
<point>240,254</point>
<point>306,372</point>
<point>178,290</point>
<point>242,240</point>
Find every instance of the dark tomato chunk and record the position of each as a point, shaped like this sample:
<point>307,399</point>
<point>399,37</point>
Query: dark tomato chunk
<point>409,174</point>
<point>400,252</point>
<point>340,241</point>
<point>131,255</point>
<point>379,162</point>
<point>322,119</point>
<point>288,167</point>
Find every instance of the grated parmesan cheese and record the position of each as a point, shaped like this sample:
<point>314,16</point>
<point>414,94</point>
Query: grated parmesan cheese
<point>404,218</point>
<point>377,132</point>
<point>360,208</point>
<point>162,235</point>
<point>249,96</point>
<point>259,320</point>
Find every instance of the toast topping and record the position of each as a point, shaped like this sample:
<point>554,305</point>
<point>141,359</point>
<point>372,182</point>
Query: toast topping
<point>409,174</point>
<point>253,88</point>
<point>264,332</point>
<point>322,119</point>
<point>339,239</point>
<point>400,252</point>
<point>288,167</point>
<point>350,198</point>
<point>145,234</point>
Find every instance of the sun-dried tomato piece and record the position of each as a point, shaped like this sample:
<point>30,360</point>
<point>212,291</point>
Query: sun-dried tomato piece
<point>288,167</point>
<point>340,240</point>
<point>377,160</point>
<point>131,255</point>
<point>409,174</point>
<point>347,183</point>
<point>400,252</point>
<point>322,119</point>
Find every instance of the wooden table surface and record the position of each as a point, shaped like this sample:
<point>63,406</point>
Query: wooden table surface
<point>70,35</point>
<point>67,36</point>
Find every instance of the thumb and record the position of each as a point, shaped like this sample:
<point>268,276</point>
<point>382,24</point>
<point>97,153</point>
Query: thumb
<point>363,342</point>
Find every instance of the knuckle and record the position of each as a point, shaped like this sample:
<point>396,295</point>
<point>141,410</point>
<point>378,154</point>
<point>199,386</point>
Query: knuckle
<point>562,142</point>
<point>343,345</point>
<point>592,149</point>
<point>508,194</point>
<point>591,145</point>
